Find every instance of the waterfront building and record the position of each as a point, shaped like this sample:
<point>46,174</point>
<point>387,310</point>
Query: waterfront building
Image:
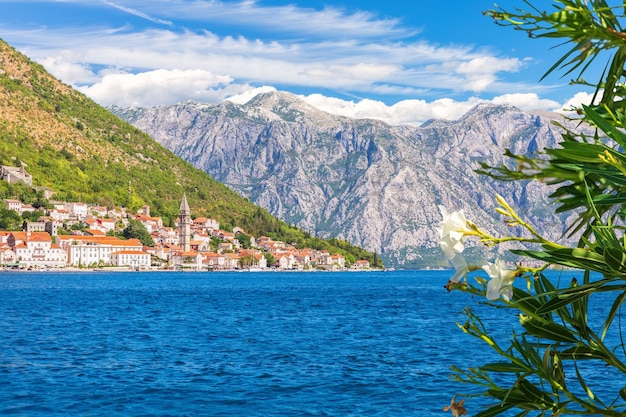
<point>132,258</point>
<point>36,250</point>
<point>192,260</point>
<point>95,250</point>
<point>214,261</point>
<point>361,264</point>
<point>7,256</point>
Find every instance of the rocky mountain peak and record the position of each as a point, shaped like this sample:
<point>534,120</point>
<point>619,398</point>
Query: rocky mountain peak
<point>375,185</point>
<point>286,106</point>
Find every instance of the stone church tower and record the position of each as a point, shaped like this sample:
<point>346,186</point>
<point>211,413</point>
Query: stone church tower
<point>184,225</point>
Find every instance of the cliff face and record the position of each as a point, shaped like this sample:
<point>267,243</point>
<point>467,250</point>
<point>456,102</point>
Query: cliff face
<point>375,185</point>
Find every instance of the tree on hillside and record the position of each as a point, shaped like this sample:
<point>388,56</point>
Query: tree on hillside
<point>545,368</point>
<point>244,240</point>
<point>136,230</point>
<point>10,220</point>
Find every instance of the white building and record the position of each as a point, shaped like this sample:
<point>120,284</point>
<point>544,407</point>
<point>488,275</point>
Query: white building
<point>286,261</point>
<point>36,250</point>
<point>60,215</point>
<point>79,210</point>
<point>7,256</point>
<point>95,250</point>
<point>214,261</point>
<point>131,258</point>
<point>15,205</point>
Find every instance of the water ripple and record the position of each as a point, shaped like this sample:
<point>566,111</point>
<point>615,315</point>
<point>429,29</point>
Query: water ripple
<point>264,344</point>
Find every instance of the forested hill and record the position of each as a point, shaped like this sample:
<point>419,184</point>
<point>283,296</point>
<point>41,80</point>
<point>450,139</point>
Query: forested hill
<point>80,150</point>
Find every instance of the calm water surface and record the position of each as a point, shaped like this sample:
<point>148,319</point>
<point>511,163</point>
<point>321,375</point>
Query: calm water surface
<point>236,344</point>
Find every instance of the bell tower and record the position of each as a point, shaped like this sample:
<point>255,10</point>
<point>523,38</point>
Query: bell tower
<point>184,225</point>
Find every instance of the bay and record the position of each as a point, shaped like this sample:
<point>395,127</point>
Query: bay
<point>236,344</point>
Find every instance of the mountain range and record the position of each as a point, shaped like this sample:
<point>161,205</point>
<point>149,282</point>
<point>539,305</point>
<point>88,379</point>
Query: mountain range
<point>373,184</point>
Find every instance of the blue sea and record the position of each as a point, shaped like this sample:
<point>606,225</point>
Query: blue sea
<point>235,344</point>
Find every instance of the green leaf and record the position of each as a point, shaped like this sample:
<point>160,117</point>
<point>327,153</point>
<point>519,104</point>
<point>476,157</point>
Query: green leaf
<point>511,396</point>
<point>503,367</point>
<point>540,399</point>
<point>583,384</point>
<point>547,329</point>
<point>605,125</point>
<point>619,300</point>
<point>495,410</point>
<point>582,352</point>
<point>561,301</point>
<point>525,301</point>
<point>615,258</point>
<point>576,258</point>
<point>605,199</point>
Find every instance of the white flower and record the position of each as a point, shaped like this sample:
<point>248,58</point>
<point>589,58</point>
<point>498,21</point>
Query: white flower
<point>459,263</point>
<point>501,283</point>
<point>452,232</point>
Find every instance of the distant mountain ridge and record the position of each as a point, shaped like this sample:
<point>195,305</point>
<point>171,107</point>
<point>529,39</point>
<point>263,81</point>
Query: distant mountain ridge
<point>373,184</point>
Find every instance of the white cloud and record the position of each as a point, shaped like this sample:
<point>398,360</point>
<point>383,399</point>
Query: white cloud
<point>355,52</point>
<point>137,13</point>
<point>69,71</point>
<point>158,87</point>
<point>161,87</point>
<point>527,101</point>
<point>284,19</point>
<point>416,112</point>
<point>579,99</point>
<point>412,112</point>
<point>364,69</point>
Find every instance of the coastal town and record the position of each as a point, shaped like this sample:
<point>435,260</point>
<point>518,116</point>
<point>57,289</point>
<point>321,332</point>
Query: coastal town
<point>196,244</point>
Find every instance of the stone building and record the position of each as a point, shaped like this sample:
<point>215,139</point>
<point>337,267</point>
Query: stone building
<point>184,226</point>
<point>13,175</point>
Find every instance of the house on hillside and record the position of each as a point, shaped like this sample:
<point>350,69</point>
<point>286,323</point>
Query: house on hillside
<point>13,175</point>
<point>46,192</point>
<point>15,205</point>
<point>204,224</point>
<point>77,210</point>
<point>151,223</point>
<point>35,226</point>
<point>59,214</point>
<point>165,236</point>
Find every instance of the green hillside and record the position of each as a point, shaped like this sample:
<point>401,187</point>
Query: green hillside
<point>80,150</point>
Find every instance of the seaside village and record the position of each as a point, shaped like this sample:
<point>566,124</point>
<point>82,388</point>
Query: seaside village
<point>193,244</point>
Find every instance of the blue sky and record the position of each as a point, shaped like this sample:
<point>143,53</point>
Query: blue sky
<point>402,61</point>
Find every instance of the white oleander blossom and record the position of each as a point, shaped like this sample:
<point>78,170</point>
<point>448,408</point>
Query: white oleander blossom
<point>461,267</point>
<point>452,232</point>
<point>501,283</point>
